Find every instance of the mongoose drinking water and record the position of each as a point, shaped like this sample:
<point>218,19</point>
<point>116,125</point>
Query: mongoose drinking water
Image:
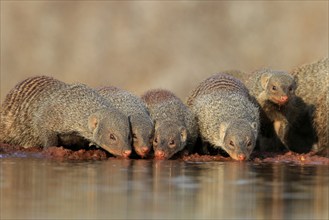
<point>141,122</point>
<point>175,125</point>
<point>313,89</point>
<point>40,109</point>
<point>226,116</point>
<point>275,93</point>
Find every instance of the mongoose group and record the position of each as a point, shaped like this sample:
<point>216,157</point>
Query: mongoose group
<point>271,110</point>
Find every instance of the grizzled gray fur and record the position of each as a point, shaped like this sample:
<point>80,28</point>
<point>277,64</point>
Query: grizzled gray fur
<point>226,115</point>
<point>142,126</point>
<point>313,89</point>
<point>37,111</point>
<point>175,124</point>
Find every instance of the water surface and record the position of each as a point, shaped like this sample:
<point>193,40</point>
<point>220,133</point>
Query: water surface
<point>42,188</point>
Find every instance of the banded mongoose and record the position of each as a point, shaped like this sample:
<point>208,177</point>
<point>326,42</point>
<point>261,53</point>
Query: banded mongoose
<point>142,126</point>
<point>175,124</point>
<point>226,115</point>
<point>313,89</point>
<point>275,93</point>
<point>40,109</point>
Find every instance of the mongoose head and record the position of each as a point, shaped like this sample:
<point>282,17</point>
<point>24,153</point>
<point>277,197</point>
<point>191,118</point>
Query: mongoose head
<point>239,139</point>
<point>142,130</point>
<point>279,87</point>
<point>169,138</point>
<point>111,131</point>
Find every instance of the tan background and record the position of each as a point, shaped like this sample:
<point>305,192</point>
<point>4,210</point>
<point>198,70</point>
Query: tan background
<point>139,45</point>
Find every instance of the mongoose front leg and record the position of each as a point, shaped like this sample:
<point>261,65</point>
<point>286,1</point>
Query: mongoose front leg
<point>281,129</point>
<point>205,148</point>
<point>49,139</point>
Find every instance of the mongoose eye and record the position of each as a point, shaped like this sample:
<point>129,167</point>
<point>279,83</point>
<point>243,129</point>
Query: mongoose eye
<point>134,136</point>
<point>274,88</point>
<point>231,143</point>
<point>112,137</point>
<point>155,140</point>
<point>249,144</point>
<point>290,89</point>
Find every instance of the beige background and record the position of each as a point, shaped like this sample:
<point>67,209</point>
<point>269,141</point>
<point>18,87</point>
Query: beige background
<point>139,45</point>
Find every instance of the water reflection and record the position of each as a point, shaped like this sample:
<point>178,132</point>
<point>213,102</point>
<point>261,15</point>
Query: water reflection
<point>39,188</point>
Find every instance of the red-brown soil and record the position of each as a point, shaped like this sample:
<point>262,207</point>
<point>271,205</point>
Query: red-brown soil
<point>53,152</point>
<point>99,154</point>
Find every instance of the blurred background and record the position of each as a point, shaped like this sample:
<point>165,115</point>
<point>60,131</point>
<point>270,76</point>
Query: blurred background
<point>140,45</point>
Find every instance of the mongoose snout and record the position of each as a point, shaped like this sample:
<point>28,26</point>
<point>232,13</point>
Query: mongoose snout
<point>169,138</point>
<point>278,86</point>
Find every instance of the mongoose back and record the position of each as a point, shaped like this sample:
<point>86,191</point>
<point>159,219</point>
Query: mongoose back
<point>226,116</point>
<point>142,125</point>
<point>175,124</point>
<point>40,109</point>
<point>275,93</point>
<point>218,82</point>
<point>313,89</point>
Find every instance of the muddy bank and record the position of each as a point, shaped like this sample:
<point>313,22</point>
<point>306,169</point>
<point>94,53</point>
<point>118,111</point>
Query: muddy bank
<point>53,153</point>
<point>99,154</point>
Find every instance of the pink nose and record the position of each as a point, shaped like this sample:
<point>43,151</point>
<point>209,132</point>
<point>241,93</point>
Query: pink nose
<point>145,150</point>
<point>126,153</point>
<point>159,154</point>
<point>241,157</point>
<point>142,151</point>
<point>284,98</point>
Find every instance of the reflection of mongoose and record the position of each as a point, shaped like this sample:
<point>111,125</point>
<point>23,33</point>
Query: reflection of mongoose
<point>175,125</point>
<point>40,109</point>
<point>226,116</point>
<point>313,89</point>
<point>141,123</point>
<point>275,93</point>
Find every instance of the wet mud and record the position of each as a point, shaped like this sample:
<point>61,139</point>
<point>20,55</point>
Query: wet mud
<point>61,153</point>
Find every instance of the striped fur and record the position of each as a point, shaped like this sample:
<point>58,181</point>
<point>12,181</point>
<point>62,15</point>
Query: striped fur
<point>218,82</point>
<point>18,108</point>
<point>40,110</point>
<point>226,115</point>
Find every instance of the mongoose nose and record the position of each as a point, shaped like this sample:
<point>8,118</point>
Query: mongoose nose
<point>126,153</point>
<point>284,98</point>
<point>159,154</point>
<point>145,150</point>
<point>241,157</point>
<point>142,151</point>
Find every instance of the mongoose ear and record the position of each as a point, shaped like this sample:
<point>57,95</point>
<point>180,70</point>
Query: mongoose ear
<point>183,134</point>
<point>92,122</point>
<point>222,130</point>
<point>156,125</point>
<point>264,79</point>
<point>254,126</point>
